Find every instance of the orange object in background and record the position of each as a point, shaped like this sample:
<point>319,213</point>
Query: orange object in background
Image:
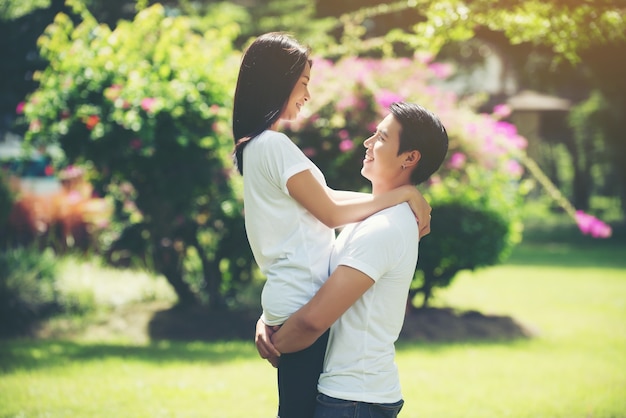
<point>68,217</point>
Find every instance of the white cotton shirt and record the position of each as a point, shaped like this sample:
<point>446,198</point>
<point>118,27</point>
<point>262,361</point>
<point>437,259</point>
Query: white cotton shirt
<point>291,246</point>
<point>360,359</point>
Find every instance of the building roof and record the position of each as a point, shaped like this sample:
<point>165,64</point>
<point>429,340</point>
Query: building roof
<point>528,100</point>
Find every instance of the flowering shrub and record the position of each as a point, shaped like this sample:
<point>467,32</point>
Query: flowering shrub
<point>478,192</point>
<point>146,104</point>
<point>67,218</point>
<point>480,181</point>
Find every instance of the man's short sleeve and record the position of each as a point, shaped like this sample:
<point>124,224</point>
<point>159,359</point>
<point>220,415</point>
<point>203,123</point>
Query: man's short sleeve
<point>372,247</point>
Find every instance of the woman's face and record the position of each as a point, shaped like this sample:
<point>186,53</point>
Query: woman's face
<point>299,95</point>
<point>382,163</point>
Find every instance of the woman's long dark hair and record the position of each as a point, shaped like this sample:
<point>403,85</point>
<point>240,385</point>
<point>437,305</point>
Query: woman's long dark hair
<point>269,70</point>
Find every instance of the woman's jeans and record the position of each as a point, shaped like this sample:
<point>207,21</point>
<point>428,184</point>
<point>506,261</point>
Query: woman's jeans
<point>328,407</point>
<point>298,374</point>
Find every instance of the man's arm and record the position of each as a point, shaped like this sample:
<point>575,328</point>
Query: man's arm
<point>344,287</point>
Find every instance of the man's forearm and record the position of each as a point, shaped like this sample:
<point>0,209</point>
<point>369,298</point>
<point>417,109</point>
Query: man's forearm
<point>296,334</point>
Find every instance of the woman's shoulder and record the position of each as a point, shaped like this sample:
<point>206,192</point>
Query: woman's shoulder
<point>275,142</point>
<point>269,136</point>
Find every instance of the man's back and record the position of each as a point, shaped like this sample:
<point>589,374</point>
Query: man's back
<point>360,363</point>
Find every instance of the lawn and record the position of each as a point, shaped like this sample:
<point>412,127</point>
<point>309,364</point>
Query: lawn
<point>570,290</point>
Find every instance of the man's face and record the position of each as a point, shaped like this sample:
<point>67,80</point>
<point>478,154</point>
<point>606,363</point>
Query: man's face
<point>382,164</point>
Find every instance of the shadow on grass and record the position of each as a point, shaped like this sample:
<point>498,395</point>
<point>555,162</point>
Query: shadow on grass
<point>565,246</point>
<point>199,323</point>
<point>447,325</point>
<point>28,354</point>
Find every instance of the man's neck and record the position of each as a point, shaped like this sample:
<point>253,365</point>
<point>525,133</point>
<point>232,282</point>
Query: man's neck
<point>384,187</point>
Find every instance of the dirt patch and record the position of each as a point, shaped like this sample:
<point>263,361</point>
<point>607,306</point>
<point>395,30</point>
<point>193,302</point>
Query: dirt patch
<point>198,323</point>
<point>430,324</point>
<point>142,323</point>
<point>446,324</point>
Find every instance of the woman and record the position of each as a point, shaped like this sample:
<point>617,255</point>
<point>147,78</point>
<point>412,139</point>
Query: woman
<point>290,213</point>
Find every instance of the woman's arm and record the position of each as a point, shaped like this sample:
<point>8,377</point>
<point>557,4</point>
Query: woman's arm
<point>338,208</point>
<point>420,206</point>
<point>344,195</point>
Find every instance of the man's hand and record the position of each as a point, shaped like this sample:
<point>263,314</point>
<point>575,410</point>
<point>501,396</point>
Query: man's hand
<point>263,341</point>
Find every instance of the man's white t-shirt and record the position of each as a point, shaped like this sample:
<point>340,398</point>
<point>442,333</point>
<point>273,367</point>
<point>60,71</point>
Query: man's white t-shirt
<point>360,359</point>
<point>291,246</point>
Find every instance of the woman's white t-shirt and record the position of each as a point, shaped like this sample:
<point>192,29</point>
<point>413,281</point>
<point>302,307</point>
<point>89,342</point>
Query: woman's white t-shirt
<point>291,246</point>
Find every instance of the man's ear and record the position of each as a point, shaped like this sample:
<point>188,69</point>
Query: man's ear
<point>412,158</point>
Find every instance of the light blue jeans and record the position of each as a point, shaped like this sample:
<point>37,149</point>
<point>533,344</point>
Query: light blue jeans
<point>328,407</point>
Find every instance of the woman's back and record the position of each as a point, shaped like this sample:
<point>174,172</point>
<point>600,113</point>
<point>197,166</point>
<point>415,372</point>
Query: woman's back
<point>291,246</point>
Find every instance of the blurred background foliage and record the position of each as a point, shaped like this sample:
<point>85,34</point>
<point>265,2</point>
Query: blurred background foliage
<point>136,94</point>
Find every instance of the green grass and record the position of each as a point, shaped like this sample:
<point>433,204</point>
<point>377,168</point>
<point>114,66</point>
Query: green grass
<point>572,291</point>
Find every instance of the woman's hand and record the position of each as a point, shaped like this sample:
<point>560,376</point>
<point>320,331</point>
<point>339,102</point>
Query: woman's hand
<point>263,341</point>
<point>421,209</point>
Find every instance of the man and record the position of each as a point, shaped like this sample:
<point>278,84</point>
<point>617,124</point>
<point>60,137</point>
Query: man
<point>373,263</point>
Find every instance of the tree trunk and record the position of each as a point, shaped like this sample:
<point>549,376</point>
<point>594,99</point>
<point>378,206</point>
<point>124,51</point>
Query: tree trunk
<point>211,274</point>
<point>169,262</point>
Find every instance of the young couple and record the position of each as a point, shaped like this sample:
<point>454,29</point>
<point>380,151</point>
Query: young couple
<point>359,282</point>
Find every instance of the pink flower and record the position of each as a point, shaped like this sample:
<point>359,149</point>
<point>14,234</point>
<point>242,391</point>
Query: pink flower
<point>113,92</point>
<point>148,104</point>
<point>20,108</point>
<point>346,145</point>
<point>457,160</point>
<point>502,110</point>
<point>507,129</point>
<point>385,98</point>
<point>440,70</point>
<point>123,104</point>
<point>434,180</point>
<point>35,126</point>
<point>590,225</point>
<point>346,102</point>
<point>518,142</point>
<point>74,196</point>
<point>309,152</point>
<point>424,57</point>
<point>72,171</point>
<point>344,134</point>
<point>514,168</point>
<point>135,144</point>
<point>92,121</point>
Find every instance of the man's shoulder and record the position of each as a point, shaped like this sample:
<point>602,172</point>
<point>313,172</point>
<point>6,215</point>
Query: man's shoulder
<point>393,221</point>
<point>400,214</point>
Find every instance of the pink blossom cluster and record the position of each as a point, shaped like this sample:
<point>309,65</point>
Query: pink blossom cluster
<point>590,225</point>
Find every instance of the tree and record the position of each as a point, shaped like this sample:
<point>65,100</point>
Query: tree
<point>147,103</point>
<point>553,45</point>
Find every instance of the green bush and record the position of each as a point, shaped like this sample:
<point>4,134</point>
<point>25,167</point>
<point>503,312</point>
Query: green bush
<point>27,289</point>
<point>6,203</point>
<point>467,237</point>
<point>146,105</point>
